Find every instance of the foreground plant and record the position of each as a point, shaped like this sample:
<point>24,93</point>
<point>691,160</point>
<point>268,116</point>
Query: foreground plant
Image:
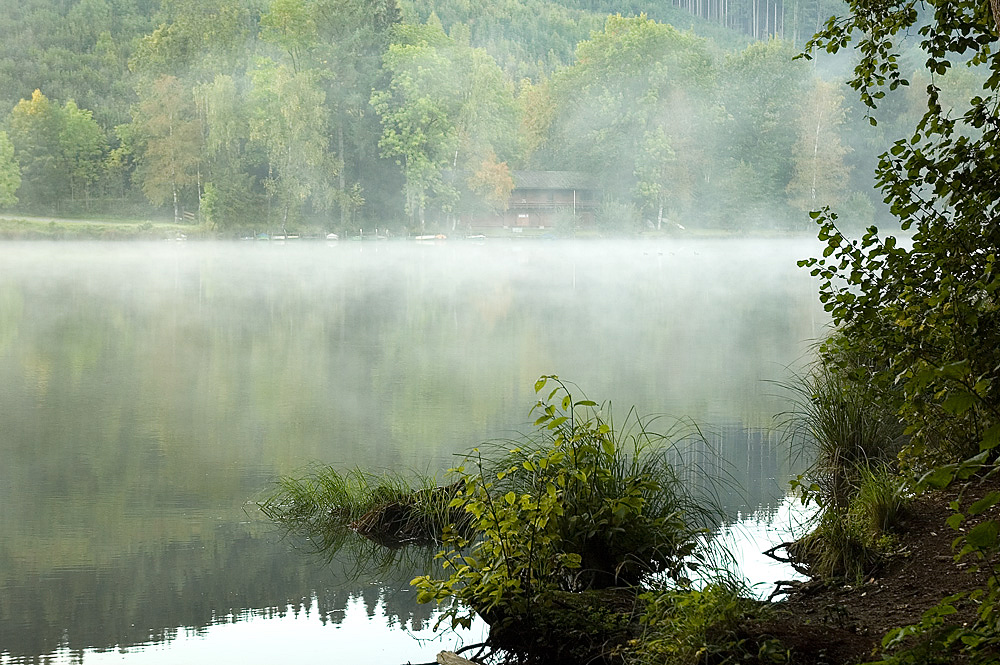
<point>706,625</point>
<point>847,428</point>
<point>578,506</point>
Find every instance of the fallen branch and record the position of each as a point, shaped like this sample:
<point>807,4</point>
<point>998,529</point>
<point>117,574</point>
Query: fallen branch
<point>791,560</point>
<point>783,559</point>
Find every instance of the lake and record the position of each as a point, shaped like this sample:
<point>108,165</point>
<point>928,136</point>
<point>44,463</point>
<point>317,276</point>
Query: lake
<point>150,393</point>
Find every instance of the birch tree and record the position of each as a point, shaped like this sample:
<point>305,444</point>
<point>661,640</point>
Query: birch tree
<point>820,174</point>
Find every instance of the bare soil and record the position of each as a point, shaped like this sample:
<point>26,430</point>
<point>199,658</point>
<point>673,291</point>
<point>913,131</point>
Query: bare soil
<point>842,625</point>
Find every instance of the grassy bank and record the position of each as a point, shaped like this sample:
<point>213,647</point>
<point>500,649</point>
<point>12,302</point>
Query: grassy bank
<point>41,228</point>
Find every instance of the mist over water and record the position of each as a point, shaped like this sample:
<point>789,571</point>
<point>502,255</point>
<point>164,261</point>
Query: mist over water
<point>149,391</point>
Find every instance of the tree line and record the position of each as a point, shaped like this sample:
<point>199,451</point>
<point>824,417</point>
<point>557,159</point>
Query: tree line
<point>287,113</point>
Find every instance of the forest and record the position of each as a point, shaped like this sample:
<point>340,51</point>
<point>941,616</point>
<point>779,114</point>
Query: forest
<point>247,116</point>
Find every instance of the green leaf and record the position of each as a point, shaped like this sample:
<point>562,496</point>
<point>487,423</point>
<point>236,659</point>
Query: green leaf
<point>991,438</point>
<point>985,503</point>
<point>958,402</point>
<point>938,478</point>
<point>556,422</point>
<point>983,536</point>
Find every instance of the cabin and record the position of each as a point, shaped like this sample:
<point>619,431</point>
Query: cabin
<point>544,200</point>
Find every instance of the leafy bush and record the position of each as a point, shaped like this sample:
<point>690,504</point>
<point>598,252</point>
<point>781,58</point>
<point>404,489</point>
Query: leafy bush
<point>579,505</point>
<point>881,501</point>
<point>928,306</point>
<point>690,627</point>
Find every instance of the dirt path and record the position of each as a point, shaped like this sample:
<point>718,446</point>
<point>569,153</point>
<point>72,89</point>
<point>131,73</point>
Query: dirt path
<point>842,625</point>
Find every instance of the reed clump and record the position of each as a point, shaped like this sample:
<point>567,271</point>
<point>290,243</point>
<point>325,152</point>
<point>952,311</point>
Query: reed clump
<point>389,509</point>
<point>848,429</point>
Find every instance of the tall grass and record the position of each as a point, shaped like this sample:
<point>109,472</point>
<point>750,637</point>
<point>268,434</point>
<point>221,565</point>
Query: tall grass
<point>333,508</point>
<point>838,426</point>
<point>847,430</point>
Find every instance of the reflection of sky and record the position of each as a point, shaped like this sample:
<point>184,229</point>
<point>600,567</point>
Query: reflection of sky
<point>748,538</point>
<point>359,638</point>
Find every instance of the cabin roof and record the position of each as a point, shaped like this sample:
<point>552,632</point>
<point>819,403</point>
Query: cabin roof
<point>554,180</point>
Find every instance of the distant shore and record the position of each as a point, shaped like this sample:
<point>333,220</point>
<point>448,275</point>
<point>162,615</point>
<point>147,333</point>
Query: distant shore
<point>38,227</point>
<point>29,227</point>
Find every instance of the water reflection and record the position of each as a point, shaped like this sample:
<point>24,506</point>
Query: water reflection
<point>147,391</point>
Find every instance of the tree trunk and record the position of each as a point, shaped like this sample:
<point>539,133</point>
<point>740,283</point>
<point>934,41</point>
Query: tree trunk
<point>177,213</point>
<point>341,182</point>
<point>995,5</point>
<point>815,167</point>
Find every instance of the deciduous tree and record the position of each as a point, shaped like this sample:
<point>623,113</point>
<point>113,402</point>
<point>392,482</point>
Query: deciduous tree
<point>634,82</point>
<point>290,124</point>
<point>172,141</point>
<point>446,106</point>
<point>820,175</point>
<point>10,172</point>
<point>35,128</point>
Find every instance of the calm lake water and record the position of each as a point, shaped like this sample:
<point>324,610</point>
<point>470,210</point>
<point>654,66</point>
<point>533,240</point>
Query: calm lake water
<point>149,393</point>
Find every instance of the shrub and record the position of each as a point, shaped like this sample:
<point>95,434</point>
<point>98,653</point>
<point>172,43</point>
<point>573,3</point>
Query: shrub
<point>578,505</point>
<point>842,422</point>
<point>691,627</point>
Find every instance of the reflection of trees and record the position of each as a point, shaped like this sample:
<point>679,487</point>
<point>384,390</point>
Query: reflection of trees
<point>149,596</point>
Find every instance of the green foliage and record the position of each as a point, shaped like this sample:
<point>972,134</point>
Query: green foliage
<point>694,626</point>
<point>60,150</point>
<point>465,94</point>
<point>171,141</point>
<point>10,172</point>
<point>820,170</point>
<point>446,106</point>
<point>332,508</point>
<point>928,305</point>
<point>579,505</point>
<point>634,106</point>
<point>290,125</point>
<point>850,433</point>
<point>881,501</point>
<point>842,424</point>
<point>231,204</point>
<point>852,541</point>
